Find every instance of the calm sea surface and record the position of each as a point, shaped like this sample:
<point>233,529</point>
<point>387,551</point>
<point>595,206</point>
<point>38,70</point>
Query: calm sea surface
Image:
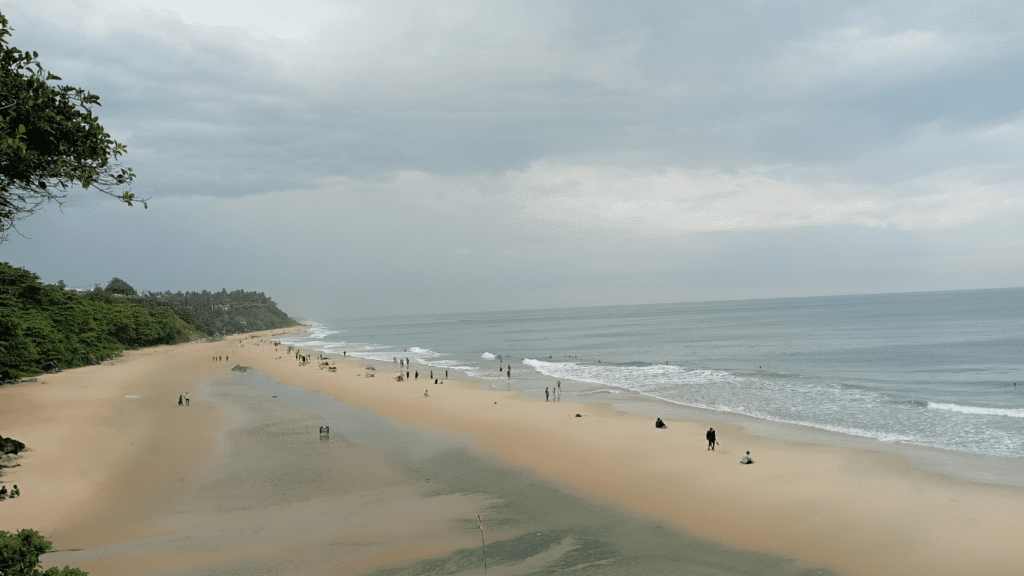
<point>935,369</point>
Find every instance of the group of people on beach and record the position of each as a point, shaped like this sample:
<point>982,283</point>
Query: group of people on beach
<point>711,436</point>
<point>556,391</point>
<point>14,493</point>
<point>183,399</point>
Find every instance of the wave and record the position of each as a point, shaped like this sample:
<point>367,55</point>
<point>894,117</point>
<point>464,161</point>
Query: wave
<point>488,356</point>
<point>638,378</point>
<point>319,331</point>
<point>424,352</point>
<point>978,410</point>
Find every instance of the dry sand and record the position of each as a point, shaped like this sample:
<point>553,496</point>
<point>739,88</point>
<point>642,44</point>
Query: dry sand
<point>119,473</point>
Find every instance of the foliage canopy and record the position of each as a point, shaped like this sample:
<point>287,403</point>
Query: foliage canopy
<point>20,552</point>
<point>44,327</point>
<point>49,139</point>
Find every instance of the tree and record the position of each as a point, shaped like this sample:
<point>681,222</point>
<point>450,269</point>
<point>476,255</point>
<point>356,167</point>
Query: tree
<point>49,140</point>
<point>118,286</point>
<point>20,552</point>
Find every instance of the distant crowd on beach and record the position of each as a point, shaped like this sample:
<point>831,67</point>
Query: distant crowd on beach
<point>551,393</point>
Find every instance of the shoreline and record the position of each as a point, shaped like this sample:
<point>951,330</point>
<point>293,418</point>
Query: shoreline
<point>953,464</point>
<point>880,498</point>
<point>849,510</point>
<point>956,464</point>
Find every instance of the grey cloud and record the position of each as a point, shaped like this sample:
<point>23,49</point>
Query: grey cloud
<point>223,111</point>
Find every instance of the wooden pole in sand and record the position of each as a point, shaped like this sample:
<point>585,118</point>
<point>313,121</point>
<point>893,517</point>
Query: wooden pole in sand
<point>483,545</point>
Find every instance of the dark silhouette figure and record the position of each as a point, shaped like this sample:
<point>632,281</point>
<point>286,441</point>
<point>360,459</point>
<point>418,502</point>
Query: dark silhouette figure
<point>711,438</point>
<point>546,395</point>
<point>181,400</point>
<point>659,423</point>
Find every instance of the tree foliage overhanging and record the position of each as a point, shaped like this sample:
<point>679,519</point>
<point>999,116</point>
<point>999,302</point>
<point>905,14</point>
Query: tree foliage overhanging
<point>45,328</point>
<point>49,139</point>
<point>20,552</point>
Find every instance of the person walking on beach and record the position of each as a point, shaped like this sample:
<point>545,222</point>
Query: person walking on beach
<point>180,401</point>
<point>417,374</point>
<point>545,393</point>
<point>509,373</point>
<point>711,438</point>
<point>186,398</point>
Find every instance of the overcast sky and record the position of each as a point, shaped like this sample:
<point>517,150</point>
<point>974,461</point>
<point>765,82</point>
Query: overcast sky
<point>356,158</point>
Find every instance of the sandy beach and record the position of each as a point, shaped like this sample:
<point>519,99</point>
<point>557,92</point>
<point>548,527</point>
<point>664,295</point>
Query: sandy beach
<point>124,481</point>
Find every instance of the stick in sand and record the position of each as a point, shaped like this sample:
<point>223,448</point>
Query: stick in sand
<point>483,545</point>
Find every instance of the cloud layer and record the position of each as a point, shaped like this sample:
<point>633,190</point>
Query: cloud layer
<point>890,131</point>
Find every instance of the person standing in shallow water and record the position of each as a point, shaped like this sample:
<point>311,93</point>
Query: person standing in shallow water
<point>711,438</point>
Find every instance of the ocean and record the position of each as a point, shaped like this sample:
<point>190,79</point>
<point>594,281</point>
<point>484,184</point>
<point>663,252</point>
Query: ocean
<point>936,369</point>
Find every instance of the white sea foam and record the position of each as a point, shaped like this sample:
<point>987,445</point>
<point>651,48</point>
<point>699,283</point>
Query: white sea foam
<point>1011,412</point>
<point>488,356</point>
<point>319,331</point>
<point>423,352</point>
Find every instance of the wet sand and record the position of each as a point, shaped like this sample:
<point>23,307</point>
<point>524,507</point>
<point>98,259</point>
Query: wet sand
<point>379,497</point>
<point>239,482</point>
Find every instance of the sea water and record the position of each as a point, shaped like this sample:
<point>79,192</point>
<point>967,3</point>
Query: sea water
<point>934,369</point>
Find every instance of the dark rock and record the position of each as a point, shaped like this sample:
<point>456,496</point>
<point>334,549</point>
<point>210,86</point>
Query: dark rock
<point>10,446</point>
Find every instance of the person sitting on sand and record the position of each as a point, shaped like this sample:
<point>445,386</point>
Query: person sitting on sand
<point>746,458</point>
<point>3,493</point>
<point>659,423</point>
<point>426,393</point>
<point>15,492</point>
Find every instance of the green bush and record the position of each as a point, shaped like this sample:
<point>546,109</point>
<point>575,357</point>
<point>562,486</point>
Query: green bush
<point>20,552</point>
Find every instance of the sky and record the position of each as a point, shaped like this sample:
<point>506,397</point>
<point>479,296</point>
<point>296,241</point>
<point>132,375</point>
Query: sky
<point>364,158</point>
